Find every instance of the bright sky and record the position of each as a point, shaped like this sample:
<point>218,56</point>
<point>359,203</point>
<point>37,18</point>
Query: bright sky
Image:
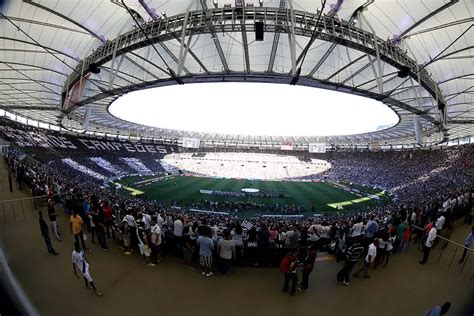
<point>253,109</point>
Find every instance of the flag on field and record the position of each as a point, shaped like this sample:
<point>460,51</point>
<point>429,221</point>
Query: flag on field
<point>246,224</point>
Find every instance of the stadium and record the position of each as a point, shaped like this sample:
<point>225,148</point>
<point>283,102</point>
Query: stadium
<point>231,157</point>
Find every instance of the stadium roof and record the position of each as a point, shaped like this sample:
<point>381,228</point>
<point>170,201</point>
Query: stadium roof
<point>415,56</point>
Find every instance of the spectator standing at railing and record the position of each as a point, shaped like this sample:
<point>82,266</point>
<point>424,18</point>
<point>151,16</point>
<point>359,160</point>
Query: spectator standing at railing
<point>428,244</point>
<point>467,243</point>
<point>52,219</point>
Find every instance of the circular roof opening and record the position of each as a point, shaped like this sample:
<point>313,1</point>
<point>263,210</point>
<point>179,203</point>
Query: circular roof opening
<point>257,109</point>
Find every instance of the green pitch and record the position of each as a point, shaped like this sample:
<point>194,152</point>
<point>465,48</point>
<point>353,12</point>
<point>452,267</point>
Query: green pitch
<point>184,191</point>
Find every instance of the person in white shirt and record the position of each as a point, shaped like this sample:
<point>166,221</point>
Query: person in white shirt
<point>428,244</point>
<point>440,223</point>
<point>155,242</point>
<point>160,220</point>
<point>146,218</point>
<point>369,259</point>
<point>79,260</point>
<point>178,228</point>
<point>357,228</point>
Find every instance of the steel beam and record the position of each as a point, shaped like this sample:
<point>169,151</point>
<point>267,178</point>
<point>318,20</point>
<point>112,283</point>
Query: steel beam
<point>427,17</point>
<point>440,27</point>
<point>354,74</point>
<point>215,38</point>
<point>32,108</point>
<point>183,49</point>
<point>292,39</point>
<point>228,20</point>
<point>276,40</point>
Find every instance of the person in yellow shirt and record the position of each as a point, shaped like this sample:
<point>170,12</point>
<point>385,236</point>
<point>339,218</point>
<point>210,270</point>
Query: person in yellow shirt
<point>76,226</point>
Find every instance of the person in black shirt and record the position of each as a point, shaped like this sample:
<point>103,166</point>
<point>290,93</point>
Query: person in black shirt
<point>353,253</point>
<point>45,233</point>
<point>308,266</point>
<point>263,242</point>
<point>99,221</point>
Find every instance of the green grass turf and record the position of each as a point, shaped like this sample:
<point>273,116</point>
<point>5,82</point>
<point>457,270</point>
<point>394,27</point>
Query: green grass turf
<point>184,191</point>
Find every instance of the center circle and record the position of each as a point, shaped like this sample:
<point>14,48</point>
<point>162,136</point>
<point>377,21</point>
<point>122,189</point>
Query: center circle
<point>254,109</point>
<point>250,190</point>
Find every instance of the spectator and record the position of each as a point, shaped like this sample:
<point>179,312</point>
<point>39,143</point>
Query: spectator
<point>308,265</point>
<point>52,219</point>
<point>288,268</point>
<point>45,233</point>
<point>369,259</point>
<point>79,260</point>
<point>188,248</point>
<point>428,244</point>
<point>353,253</point>
<point>76,226</point>
<point>467,244</point>
<point>226,251</point>
<point>206,247</point>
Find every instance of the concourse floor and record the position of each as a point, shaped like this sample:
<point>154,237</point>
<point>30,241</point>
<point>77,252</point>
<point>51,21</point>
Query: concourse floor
<point>404,287</point>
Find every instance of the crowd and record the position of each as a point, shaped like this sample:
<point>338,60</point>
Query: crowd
<point>247,165</point>
<point>215,239</point>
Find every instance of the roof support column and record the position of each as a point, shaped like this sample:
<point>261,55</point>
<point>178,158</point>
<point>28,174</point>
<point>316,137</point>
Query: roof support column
<point>183,49</point>
<point>291,39</point>
<point>378,75</point>
<point>112,66</point>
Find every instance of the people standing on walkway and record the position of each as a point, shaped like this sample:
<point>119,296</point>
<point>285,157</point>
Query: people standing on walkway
<point>79,260</point>
<point>76,226</point>
<point>468,244</point>
<point>428,244</point>
<point>155,241</point>
<point>308,266</point>
<point>10,184</point>
<point>45,233</point>
<point>226,251</point>
<point>369,259</point>
<point>206,245</point>
<point>288,268</point>
<point>53,219</point>
<point>353,253</point>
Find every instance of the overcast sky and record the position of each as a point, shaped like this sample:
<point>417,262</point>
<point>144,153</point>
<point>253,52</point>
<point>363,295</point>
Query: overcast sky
<point>253,109</point>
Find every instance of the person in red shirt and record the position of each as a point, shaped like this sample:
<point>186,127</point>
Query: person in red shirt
<point>108,219</point>
<point>288,268</point>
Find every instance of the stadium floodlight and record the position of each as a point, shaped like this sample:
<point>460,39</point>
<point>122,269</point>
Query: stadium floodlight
<point>260,2</point>
<point>215,3</point>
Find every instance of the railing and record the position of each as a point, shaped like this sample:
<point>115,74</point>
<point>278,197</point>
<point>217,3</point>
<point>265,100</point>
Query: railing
<point>456,250</point>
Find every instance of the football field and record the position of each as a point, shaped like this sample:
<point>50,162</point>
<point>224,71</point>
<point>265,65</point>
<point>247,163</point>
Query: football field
<point>317,197</point>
